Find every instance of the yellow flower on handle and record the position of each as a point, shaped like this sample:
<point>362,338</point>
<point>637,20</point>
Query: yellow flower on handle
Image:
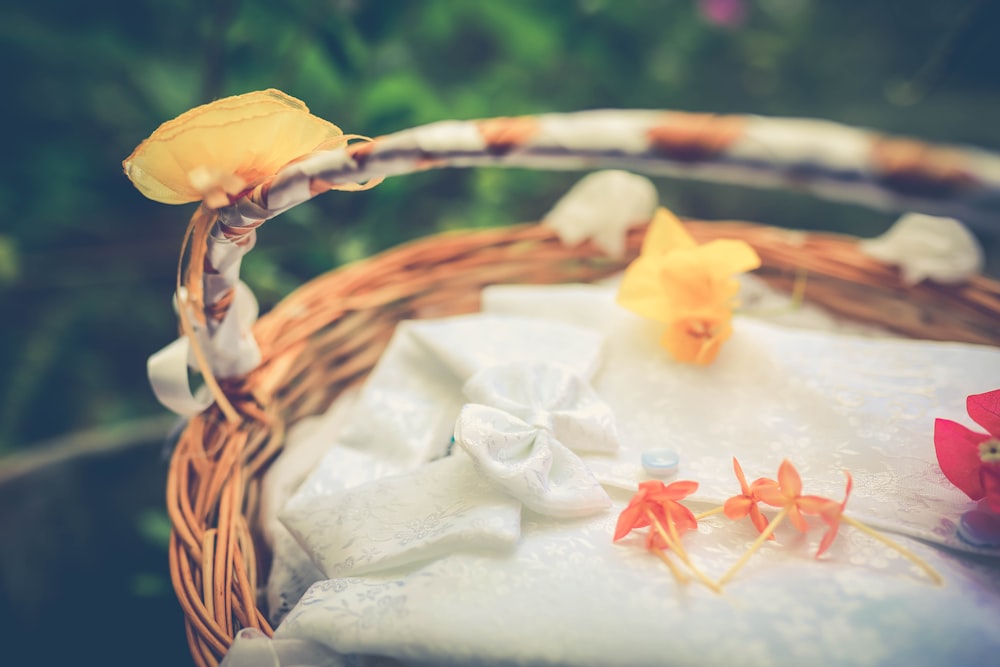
<point>215,154</point>
<point>688,287</point>
<point>217,151</point>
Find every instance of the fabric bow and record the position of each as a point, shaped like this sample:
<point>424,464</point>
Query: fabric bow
<point>522,427</point>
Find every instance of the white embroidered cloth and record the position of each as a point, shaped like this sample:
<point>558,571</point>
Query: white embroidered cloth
<point>564,594</point>
<point>522,428</point>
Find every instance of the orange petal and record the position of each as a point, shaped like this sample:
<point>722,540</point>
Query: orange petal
<point>738,469</point>
<point>828,538</point>
<point>693,341</point>
<point>770,494</point>
<point>628,520</point>
<point>797,519</point>
<point>737,507</point>
<point>817,505</point>
<point>788,478</point>
<point>692,288</point>
<point>681,489</point>
<point>683,518</point>
<point>760,521</point>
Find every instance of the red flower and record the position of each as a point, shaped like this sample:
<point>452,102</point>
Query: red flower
<point>662,502</point>
<point>785,493</point>
<point>740,506</point>
<point>971,460</point>
<point>829,511</point>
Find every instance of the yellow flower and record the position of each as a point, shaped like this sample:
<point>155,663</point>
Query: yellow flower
<point>217,151</point>
<point>688,287</point>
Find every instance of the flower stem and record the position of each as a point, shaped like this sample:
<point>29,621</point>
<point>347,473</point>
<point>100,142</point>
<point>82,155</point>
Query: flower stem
<point>766,533</point>
<point>892,544</point>
<point>718,510</point>
<point>799,288</point>
<point>673,541</point>
<point>679,575</point>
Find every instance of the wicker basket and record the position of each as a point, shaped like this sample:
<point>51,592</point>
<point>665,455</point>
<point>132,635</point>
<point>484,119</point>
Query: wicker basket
<point>328,334</point>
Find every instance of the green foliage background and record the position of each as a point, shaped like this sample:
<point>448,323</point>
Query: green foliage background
<point>87,264</point>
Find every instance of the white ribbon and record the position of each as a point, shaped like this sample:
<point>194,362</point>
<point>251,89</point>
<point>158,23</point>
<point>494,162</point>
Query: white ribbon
<point>231,351</point>
<point>928,247</point>
<point>521,428</point>
<point>602,206</point>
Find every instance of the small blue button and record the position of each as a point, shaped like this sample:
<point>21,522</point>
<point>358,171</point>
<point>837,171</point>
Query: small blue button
<point>660,462</point>
<point>980,529</point>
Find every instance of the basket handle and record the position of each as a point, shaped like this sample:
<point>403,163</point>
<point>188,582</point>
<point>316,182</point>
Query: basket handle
<point>830,160</point>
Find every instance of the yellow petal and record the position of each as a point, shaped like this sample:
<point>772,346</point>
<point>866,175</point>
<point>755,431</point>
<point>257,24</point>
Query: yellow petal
<point>249,137</point>
<point>642,292</point>
<point>665,233</point>
<point>690,284</point>
<point>727,257</point>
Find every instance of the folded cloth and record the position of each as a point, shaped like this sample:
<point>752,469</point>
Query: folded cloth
<point>521,427</point>
<point>458,503</point>
<point>403,417</point>
<point>565,594</point>
<point>413,517</point>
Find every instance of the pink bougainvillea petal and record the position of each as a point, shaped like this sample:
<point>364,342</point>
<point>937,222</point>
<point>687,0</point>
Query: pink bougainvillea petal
<point>985,410</point>
<point>958,455</point>
<point>990,477</point>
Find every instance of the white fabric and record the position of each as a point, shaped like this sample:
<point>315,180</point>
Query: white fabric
<point>602,206</point>
<point>292,571</point>
<point>928,247</point>
<point>521,427</point>
<point>565,594</point>
<point>434,510</point>
<point>405,413</point>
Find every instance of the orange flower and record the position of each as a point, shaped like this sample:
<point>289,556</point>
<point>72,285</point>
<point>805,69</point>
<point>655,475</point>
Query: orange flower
<point>740,506</point>
<point>688,287</point>
<point>217,151</point>
<point>661,501</point>
<point>785,493</point>
<point>829,511</point>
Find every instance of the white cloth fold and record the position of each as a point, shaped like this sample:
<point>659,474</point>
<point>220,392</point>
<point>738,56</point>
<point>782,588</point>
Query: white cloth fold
<point>602,206</point>
<point>520,429</point>
<point>404,416</point>
<point>436,509</point>
<point>928,247</point>
<point>566,594</point>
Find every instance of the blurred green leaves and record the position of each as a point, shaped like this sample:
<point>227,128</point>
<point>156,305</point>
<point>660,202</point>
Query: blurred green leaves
<point>87,264</point>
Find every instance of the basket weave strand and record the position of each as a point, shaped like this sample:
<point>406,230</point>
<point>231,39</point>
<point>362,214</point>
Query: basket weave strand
<point>327,335</point>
